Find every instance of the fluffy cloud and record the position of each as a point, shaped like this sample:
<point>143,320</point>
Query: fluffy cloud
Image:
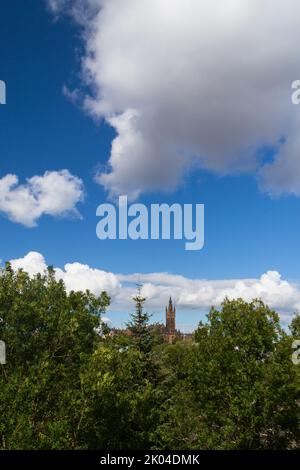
<point>192,83</point>
<point>188,294</point>
<point>202,294</point>
<point>33,263</point>
<point>76,276</point>
<point>55,193</point>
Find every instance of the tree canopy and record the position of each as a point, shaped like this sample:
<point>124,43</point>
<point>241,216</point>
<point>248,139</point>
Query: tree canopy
<point>70,384</point>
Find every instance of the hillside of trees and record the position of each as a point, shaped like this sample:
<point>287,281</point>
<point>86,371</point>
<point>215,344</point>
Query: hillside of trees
<point>68,384</point>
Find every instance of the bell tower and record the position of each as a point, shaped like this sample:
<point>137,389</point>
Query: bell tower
<point>170,322</point>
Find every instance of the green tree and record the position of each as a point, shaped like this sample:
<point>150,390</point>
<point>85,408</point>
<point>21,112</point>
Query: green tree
<point>239,384</point>
<point>49,336</point>
<point>243,381</point>
<point>120,399</point>
<point>139,325</point>
<point>295,327</point>
<point>178,417</point>
<point>69,384</point>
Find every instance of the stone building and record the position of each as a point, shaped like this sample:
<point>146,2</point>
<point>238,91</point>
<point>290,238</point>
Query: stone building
<point>170,330</point>
<point>171,333</point>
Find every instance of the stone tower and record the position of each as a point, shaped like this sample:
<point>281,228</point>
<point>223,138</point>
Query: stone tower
<point>170,322</point>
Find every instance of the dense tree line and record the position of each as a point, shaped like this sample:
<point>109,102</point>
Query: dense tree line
<point>68,384</point>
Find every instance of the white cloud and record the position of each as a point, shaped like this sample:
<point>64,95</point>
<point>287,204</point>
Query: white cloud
<point>76,276</point>
<point>194,82</point>
<point>55,193</point>
<point>202,294</point>
<point>188,294</point>
<point>33,263</point>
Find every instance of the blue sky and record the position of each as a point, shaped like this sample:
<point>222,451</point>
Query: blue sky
<point>247,231</point>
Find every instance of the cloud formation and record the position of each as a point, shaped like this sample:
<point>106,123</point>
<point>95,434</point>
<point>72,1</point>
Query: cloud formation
<point>55,193</point>
<point>76,276</point>
<point>192,83</point>
<point>202,293</point>
<point>188,294</point>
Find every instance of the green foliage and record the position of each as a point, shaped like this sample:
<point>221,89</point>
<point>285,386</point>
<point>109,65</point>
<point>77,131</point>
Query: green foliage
<point>295,327</point>
<point>139,325</point>
<point>239,384</point>
<point>69,384</point>
<point>120,398</point>
<point>49,338</point>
